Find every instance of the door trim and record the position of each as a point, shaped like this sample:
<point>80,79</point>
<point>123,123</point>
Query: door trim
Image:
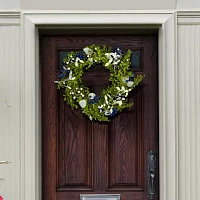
<point>9,18</point>
<point>31,21</point>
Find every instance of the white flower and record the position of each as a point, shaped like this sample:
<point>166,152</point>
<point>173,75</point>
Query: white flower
<point>100,108</point>
<point>108,55</point>
<point>90,117</point>
<point>90,59</point>
<point>125,78</point>
<point>118,102</point>
<point>88,51</point>
<point>78,91</point>
<point>130,83</point>
<point>56,81</point>
<point>91,95</point>
<point>69,87</point>
<point>113,57</point>
<point>82,103</point>
<point>111,110</point>
<point>107,112</point>
<point>108,63</point>
<point>70,76</point>
<point>116,62</point>
<point>78,60</point>
<point>123,90</point>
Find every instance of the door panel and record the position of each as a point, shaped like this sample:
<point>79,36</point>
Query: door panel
<point>84,157</point>
<point>126,147</point>
<point>74,150</point>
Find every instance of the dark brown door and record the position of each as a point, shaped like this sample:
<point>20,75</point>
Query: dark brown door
<point>84,157</point>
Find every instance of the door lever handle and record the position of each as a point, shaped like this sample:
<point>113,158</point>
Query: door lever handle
<point>5,162</point>
<point>152,168</point>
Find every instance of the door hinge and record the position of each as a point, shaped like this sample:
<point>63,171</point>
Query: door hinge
<point>152,169</point>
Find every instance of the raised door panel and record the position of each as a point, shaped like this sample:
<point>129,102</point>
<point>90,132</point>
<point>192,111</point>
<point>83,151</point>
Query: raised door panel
<point>74,150</point>
<point>126,147</point>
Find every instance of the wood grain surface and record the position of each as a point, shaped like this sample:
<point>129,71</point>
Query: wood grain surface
<point>84,157</point>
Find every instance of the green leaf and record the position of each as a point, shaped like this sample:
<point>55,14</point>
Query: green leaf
<point>74,91</point>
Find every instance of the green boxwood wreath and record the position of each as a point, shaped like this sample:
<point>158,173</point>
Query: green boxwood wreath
<point>114,98</point>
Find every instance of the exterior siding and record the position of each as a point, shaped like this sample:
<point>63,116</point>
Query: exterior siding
<point>10,111</point>
<point>189,111</point>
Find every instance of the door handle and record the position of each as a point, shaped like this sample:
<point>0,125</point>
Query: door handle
<point>152,168</point>
<point>5,162</point>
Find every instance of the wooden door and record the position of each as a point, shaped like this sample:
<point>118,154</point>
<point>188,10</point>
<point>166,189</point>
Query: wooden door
<point>84,157</point>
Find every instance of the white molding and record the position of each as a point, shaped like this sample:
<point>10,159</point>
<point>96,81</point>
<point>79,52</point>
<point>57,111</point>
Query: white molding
<point>10,18</point>
<point>188,17</point>
<point>189,111</point>
<point>71,18</point>
<point>10,129</point>
<point>58,12</point>
<point>167,110</point>
<point>30,118</point>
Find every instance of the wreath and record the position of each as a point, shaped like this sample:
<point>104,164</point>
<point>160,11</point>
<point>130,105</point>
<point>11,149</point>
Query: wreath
<point>114,98</point>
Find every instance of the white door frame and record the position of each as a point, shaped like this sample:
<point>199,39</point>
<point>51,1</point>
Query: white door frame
<point>30,89</point>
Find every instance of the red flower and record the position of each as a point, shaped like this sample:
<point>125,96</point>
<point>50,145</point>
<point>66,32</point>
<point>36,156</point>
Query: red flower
<point>1,198</point>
